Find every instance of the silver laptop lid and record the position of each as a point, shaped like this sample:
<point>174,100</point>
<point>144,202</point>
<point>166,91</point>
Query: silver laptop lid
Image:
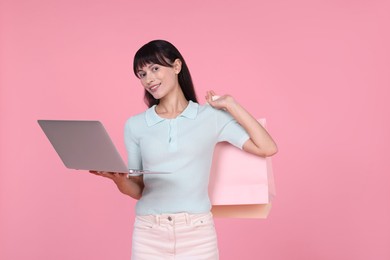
<point>83,145</point>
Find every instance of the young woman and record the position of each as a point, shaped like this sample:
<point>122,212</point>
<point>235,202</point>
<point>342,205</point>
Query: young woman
<point>177,135</point>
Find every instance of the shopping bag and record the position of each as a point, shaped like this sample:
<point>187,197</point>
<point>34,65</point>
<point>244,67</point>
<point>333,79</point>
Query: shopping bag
<point>241,184</point>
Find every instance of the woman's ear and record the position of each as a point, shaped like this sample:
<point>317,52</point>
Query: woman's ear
<point>177,66</point>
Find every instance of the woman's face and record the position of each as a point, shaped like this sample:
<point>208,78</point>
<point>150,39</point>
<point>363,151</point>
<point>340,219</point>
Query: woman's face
<point>160,80</point>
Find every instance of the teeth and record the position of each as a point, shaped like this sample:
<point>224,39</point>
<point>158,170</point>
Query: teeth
<point>154,87</point>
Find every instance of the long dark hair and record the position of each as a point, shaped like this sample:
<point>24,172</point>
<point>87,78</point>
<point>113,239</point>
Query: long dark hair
<point>163,53</point>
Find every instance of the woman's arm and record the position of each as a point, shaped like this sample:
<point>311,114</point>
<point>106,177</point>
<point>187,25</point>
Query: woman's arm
<point>260,142</point>
<point>131,186</point>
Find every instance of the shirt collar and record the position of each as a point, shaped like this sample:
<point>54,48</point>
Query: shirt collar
<point>153,118</point>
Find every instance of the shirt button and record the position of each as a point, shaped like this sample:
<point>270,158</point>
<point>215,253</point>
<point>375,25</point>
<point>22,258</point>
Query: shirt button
<point>170,218</point>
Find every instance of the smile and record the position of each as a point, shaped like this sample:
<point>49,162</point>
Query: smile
<point>154,87</point>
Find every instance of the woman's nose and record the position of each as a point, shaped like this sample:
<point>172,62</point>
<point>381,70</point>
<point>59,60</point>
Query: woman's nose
<point>149,78</point>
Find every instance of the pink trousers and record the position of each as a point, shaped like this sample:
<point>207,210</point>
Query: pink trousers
<point>179,236</point>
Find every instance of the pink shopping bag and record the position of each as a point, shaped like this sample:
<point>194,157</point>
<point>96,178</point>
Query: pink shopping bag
<point>241,184</point>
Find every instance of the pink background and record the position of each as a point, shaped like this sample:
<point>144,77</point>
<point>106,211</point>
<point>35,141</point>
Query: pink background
<point>317,70</point>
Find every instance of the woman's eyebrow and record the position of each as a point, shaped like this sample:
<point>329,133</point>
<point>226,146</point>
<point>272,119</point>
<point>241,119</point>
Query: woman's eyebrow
<point>148,66</point>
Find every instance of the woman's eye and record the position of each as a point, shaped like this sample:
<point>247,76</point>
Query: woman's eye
<point>141,74</point>
<point>155,68</point>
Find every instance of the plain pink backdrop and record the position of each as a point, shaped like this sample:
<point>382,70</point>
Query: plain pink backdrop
<point>317,70</point>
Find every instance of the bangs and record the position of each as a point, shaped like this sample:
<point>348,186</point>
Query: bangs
<point>148,56</point>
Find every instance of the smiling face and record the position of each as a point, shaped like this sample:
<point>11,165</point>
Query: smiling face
<point>162,54</point>
<point>160,80</point>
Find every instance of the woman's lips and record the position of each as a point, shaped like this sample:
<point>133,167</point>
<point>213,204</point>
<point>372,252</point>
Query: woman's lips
<point>154,88</point>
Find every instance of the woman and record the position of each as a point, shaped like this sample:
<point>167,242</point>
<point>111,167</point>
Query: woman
<point>177,135</point>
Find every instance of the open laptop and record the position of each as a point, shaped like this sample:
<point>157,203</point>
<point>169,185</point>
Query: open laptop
<point>86,145</point>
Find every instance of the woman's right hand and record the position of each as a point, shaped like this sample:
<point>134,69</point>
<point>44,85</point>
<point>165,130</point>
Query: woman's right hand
<point>132,186</point>
<point>110,175</point>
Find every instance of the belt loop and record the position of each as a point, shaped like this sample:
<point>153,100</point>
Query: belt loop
<point>157,219</point>
<point>188,222</point>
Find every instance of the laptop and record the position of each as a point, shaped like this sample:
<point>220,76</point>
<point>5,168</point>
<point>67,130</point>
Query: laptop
<point>86,145</point>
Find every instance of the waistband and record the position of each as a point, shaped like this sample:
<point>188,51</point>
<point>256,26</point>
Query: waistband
<point>176,218</point>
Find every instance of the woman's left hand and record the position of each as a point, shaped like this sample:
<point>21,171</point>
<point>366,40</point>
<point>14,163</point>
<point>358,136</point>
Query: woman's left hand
<point>260,142</point>
<point>219,102</point>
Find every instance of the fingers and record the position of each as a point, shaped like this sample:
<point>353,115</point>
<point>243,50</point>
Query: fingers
<point>102,172</point>
<point>109,175</point>
<point>207,97</point>
<point>95,172</point>
<point>98,172</point>
<point>210,96</point>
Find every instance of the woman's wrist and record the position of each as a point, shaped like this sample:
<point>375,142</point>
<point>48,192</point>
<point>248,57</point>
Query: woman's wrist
<point>231,104</point>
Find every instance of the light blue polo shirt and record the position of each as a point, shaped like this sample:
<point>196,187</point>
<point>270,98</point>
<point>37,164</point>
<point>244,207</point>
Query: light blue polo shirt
<point>183,146</point>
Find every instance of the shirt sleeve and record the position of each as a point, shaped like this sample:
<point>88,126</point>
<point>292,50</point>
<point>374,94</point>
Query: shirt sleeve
<point>134,160</point>
<point>230,130</point>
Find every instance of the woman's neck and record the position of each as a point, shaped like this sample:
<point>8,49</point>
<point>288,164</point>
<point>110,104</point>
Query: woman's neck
<point>172,106</point>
